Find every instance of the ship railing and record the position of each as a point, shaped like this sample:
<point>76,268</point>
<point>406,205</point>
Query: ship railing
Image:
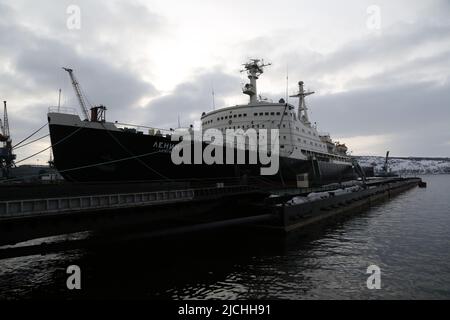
<point>144,129</point>
<point>66,110</point>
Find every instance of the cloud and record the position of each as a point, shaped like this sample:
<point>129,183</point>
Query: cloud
<point>394,85</point>
<point>189,99</point>
<point>416,116</point>
<point>399,50</point>
<point>367,145</point>
<point>31,72</point>
<point>142,60</point>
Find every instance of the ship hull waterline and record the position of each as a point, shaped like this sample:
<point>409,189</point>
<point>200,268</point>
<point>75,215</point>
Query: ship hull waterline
<point>96,155</point>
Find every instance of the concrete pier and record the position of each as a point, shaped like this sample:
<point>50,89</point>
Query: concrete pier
<point>25,219</point>
<point>294,216</point>
<point>190,210</point>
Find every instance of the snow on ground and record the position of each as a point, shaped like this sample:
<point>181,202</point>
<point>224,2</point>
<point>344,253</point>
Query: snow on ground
<point>407,166</point>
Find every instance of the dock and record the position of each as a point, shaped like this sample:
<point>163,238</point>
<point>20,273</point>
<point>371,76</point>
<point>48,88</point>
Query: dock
<point>177,209</point>
<point>327,205</point>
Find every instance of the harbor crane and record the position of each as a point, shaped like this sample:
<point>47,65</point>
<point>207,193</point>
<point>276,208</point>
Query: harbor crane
<point>385,170</point>
<point>385,166</point>
<point>97,112</point>
<point>6,156</point>
<point>76,87</point>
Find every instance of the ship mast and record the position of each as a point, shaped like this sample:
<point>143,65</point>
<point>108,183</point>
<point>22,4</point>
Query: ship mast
<point>302,109</point>
<point>254,69</point>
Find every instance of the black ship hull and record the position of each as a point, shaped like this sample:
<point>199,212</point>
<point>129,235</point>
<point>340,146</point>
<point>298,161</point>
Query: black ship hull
<point>100,155</point>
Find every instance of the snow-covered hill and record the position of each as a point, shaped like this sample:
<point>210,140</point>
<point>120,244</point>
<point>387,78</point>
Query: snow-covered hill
<point>406,166</point>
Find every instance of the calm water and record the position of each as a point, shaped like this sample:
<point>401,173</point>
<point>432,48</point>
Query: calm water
<point>408,238</point>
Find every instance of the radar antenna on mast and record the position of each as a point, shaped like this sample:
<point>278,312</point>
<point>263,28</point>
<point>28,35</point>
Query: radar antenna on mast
<point>254,68</point>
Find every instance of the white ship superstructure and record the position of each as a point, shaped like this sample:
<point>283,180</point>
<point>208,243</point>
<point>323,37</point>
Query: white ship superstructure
<point>298,139</point>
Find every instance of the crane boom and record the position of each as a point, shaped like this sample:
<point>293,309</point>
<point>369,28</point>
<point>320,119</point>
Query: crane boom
<point>76,87</point>
<point>386,162</point>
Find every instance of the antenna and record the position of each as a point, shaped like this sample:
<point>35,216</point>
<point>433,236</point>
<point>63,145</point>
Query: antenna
<point>254,68</point>
<point>59,99</point>
<point>213,96</point>
<point>302,108</point>
<point>287,83</point>
<point>179,126</point>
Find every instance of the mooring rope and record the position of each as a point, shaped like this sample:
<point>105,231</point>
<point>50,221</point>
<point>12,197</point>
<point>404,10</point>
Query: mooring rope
<point>63,139</point>
<point>30,135</point>
<point>137,158</point>
<point>32,141</point>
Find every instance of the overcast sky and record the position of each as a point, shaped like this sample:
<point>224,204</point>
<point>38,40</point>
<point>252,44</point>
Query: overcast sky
<point>380,69</point>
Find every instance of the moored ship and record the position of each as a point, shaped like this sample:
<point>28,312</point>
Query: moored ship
<point>96,150</point>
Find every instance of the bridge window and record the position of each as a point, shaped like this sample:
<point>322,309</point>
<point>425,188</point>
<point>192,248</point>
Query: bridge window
<point>261,113</point>
<point>278,113</point>
<point>255,114</point>
<point>272,113</point>
<point>266,114</point>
